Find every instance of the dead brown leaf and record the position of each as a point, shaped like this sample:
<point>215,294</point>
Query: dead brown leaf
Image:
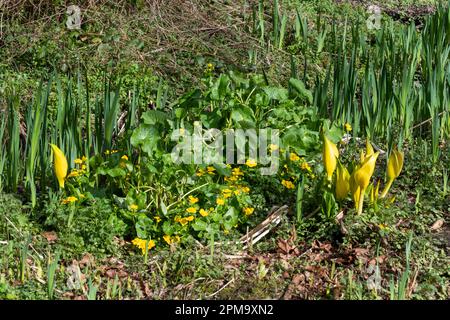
<point>437,225</point>
<point>378,260</point>
<point>50,236</point>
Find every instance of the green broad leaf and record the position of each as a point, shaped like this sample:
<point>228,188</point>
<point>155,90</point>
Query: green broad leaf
<point>116,172</point>
<point>147,137</point>
<point>230,218</point>
<point>220,88</point>
<point>199,225</point>
<point>163,208</point>
<point>299,88</point>
<point>142,226</point>
<point>243,116</point>
<point>155,116</point>
<point>168,228</point>
<point>274,93</point>
<point>301,139</point>
<point>222,169</point>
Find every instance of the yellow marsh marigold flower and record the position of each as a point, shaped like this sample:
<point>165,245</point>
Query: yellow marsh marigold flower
<point>133,207</point>
<point>245,189</point>
<point>60,165</point>
<point>143,244</point>
<point>167,238</point>
<point>251,163</point>
<point>124,157</point>
<point>248,211</point>
<point>231,179</point>
<point>211,170</point>
<point>78,161</point>
<point>348,127</point>
<point>157,219</point>
<point>220,201</point>
<point>288,184</point>
<point>170,239</point>
<point>74,173</point>
<point>237,172</point>
<point>294,157</point>
<point>200,172</point>
<point>191,210</point>
<point>226,193</point>
<point>204,213</point>
<point>273,147</point>
<point>193,200</point>
<point>70,199</point>
<point>330,155</point>
<point>305,166</point>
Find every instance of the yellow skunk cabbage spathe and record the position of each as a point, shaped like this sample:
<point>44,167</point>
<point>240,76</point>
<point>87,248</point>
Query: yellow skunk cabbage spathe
<point>330,156</point>
<point>60,165</point>
<point>362,177</point>
<point>369,148</point>
<point>342,182</point>
<point>394,167</point>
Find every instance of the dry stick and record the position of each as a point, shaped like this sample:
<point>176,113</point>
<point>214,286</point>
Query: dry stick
<point>31,246</point>
<point>226,285</point>
<point>425,121</point>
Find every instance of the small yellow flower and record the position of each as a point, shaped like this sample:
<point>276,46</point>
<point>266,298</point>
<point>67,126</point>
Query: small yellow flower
<point>237,172</point>
<point>191,210</point>
<point>348,127</point>
<point>70,199</point>
<point>231,179</point>
<point>288,184</point>
<point>200,172</point>
<point>305,166</point>
<point>143,244</point>
<point>226,193</point>
<point>190,218</point>
<point>251,163</point>
<point>248,211</point>
<point>220,201</point>
<point>157,219</point>
<point>167,239</point>
<point>78,161</point>
<point>193,200</point>
<point>133,207</point>
<point>83,158</point>
<point>124,157</point>
<point>294,157</point>
<point>83,167</point>
<point>211,170</point>
<point>204,213</point>
<point>245,189</point>
<point>273,147</point>
<point>74,173</point>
